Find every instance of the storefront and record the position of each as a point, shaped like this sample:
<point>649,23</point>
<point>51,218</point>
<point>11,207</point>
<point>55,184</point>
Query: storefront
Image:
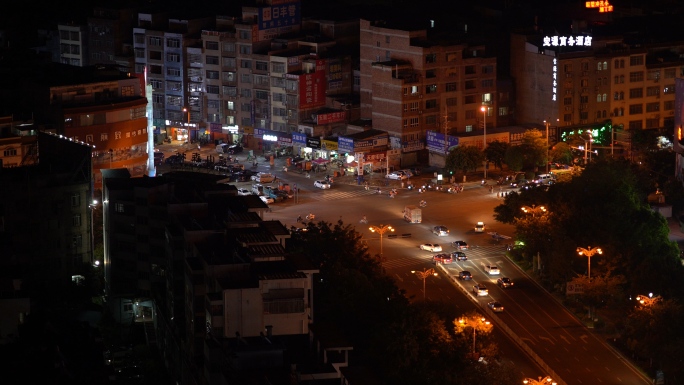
<point>313,148</point>
<point>298,144</point>
<point>329,148</point>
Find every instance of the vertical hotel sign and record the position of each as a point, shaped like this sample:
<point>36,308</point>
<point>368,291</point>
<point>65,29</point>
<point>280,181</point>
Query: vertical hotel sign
<point>563,41</point>
<point>312,87</point>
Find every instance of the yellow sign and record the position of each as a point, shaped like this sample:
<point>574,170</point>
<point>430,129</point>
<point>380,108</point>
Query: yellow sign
<point>602,5</point>
<point>329,145</point>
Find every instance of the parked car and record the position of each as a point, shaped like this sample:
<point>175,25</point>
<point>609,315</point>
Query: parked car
<point>444,259</point>
<point>263,177</point>
<point>244,191</point>
<point>235,149</point>
<point>496,307</point>
<point>459,256</point>
<point>267,200</point>
<point>519,182</point>
<point>396,175</point>
<point>407,172</point>
<point>460,245</point>
<point>321,184</point>
<point>480,290</point>
<point>465,275</point>
<point>435,248</point>
<point>504,282</point>
<point>440,231</point>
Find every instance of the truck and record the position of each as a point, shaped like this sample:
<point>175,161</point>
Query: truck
<point>413,214</point>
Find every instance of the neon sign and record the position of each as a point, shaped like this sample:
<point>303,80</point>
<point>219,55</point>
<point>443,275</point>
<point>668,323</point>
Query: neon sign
<point>555,79</point>
<point>602,5</point>
<point>567,41</point>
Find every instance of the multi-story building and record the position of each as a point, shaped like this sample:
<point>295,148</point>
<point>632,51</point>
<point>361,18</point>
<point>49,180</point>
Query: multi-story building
<point>413,81</point>
<point>110,39</point>
<point>73,44</point>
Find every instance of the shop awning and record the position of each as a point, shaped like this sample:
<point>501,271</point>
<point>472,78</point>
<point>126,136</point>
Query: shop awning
<point>321,161</point>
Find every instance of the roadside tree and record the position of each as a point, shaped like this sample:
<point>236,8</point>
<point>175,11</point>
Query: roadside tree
<point>464,159</point>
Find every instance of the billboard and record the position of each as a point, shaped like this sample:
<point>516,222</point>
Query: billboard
<point>345,145</point>
<point>312,87</point>
<point>278,18</point>
<point>331,117</point>
<point>435,141</point>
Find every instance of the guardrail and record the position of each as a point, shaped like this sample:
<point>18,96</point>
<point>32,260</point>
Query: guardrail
<point>531,353</point>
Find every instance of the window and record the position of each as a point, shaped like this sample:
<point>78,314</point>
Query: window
<point>430,74</point>
<point>261,95</point>
<point>487,83</point>
<point>432,103</point>
<point>567,68</point>
<point>154,41</point>
<point>173,72</point>
<point>451,87</point>
<point>158,98</point>
<point>487,69</point>
<point>470,84</point>
<point>470,70</point>
<point>669,89</point>
<point>173,57</point>
<point>211,103</point>
<point>619,79</point>
<point>653,75</point>
<point>246,64</point>
<point>584,99</point>
<point>10,152</point>
<point>636,77</point>
<point>567,101</point>
<point>652,123</point>
<point>156,84</point>
<point>452,102</point>
<point>414,122</point>
<point>619,63</point>
<point>584,82</point>
<point>278,67</point>
<point>246,78</point>
<point>431,119</point>
<point>653,91</point>
<point>211,45</point>
<point>77,241</point>
<point>636,93</point>
<point>431,58</point>
<point>228,47</point>
<point>212,89</point>
<point>431,89</point>
<point>172,43</point>
<point>636,60</point>
<point>635,109</point>
<point>212,74</point>
<point>653,107</point>
<point>155,55</point>
<point>584,115</point>
<point>470,114</point>
<point>503,111</point>
<point>604,97</point>
<point>174,86</point>
<point>212,60</point>
<point>229,62</point>
<point>261,66</point>
<point>668,105</point>
<point>635,124</point>
<point>246,92</point>
<point>567,118</point>
<point>469,99</point>
<point>245,49</point>
<point>76,220</point>
<point>670,73</point>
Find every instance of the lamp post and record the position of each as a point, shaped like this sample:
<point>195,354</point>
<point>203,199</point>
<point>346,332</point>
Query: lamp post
<point>587,143</point>
<point>424,275</point>
<point>484,140</point>
<point>547,123</point>
<point>476,322</point>
<point>540,381</point>
<point>534,210</point>
<point>647,300</point>
<point>381,229</point>
<point>92,206</point>
<point>589,252</point>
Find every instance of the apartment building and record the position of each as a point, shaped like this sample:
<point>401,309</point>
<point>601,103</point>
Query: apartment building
<point>73,44</point>
<point>413,81</point>
<point>110,39</point>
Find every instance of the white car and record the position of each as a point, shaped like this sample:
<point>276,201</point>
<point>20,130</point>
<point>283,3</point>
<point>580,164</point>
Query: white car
<point>435,248</point>
<point>440,231</point>
<point>322,184</point>
<point>396,175</point>
<point>267,200</point>
<point>480,290</point>
<point>244,191</point>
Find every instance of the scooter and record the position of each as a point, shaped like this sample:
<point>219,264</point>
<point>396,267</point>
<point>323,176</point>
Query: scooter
<point>310,217</point>
<point>423,204</point>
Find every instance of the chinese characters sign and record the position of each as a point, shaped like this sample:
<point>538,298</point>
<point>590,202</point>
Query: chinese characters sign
<point>603,5</point>
<point>567,41</point>
<point>278,18</point>
<point>435,141</point>
<point>312,88</point>
<point>554,88</point>
<point>330,117</point>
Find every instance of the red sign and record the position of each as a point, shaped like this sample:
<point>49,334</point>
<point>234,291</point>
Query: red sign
<point>312,89</point>
<point>331,117</point>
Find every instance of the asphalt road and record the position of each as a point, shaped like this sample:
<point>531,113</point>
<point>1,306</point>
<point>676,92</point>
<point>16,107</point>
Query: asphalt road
<point>569,349</point>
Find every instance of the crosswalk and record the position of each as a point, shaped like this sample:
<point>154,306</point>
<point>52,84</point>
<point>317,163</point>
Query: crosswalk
<point>331,195</point>
<point>492,253</point>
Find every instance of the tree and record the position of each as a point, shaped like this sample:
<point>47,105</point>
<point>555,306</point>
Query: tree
<point>514,157</point>
<point>535,146</point>
<point>496,153</point>
<point>464,158</point>
<point>561,152</point>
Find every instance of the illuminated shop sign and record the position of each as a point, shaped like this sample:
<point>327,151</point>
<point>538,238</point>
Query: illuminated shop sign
<point>567,41</point>
<point>555,79</point>
<point>603,6</point>
<point>270,138</point>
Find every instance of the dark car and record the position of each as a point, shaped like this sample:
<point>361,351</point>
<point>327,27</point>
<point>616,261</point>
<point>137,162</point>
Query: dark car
<point>459,256</point>
<point>444,259</point>
<point>243,176</point>
<point>174,159</point>
<point>234,149</point>
<point>504,282</point>
<point>465,275</point>
<point>460,245</point>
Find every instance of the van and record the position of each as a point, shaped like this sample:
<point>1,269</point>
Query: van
<point>545,179</point>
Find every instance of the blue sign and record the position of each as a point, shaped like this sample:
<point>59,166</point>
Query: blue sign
<point>345,145</point>
<point>298,138</point>
<point>435,141</point>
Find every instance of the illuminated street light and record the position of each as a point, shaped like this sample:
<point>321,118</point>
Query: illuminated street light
<point>648,300</point>
<point>382,229</point>
<point>541,381</point>
<point>424,275</point>
<point>547,122</point>
<point>477,322</point>
<point>534,210</point>
<point>589,252</point>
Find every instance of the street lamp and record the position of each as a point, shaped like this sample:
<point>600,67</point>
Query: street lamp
<point>587,143</point>
<point>589,252</point>
<point>484,140</point>
<point>477,322</point>
<point>381,229</point>
<point>424,275</point>
<point>534,210</point>
<point>541,381</point>
<point>547,123</point>
<point>647,300</point>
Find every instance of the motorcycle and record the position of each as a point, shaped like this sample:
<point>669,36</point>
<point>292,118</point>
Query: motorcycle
<point>423,204</point>
<point>310,217</point>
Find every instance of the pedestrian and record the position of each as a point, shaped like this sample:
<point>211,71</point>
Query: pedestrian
<point>498,194</point>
